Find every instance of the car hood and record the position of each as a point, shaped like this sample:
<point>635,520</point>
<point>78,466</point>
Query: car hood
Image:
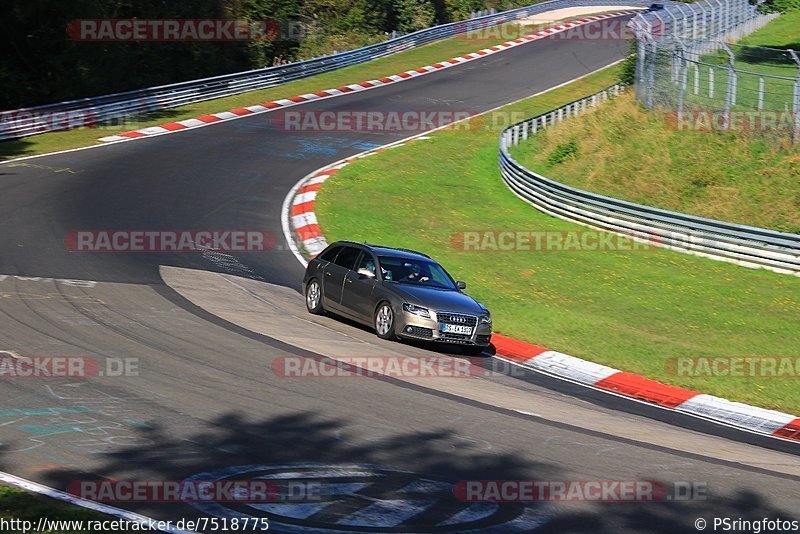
<point>436,299</point>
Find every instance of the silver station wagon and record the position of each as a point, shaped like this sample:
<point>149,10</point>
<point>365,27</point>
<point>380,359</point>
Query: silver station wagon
<point>398,292</point>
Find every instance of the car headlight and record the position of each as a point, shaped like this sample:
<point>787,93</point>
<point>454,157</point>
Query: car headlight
<point>486,319</point>
<point>417,310</point>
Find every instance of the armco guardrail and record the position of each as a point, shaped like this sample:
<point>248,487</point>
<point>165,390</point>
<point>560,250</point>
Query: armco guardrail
<point>64,115</point>
<point>744,245</point>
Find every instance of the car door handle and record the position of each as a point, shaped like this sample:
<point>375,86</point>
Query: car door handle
<point>328,274</point>
<point>349,281</point>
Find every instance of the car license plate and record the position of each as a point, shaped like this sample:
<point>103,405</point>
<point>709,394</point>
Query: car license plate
<point>457,329</point>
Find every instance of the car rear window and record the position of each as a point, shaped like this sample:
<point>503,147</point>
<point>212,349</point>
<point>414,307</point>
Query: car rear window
<point>330,255</point>
<point>347,257</point>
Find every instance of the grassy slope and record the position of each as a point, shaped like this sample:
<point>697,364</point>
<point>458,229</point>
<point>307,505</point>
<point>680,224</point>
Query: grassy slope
<point>630,310</point>
<point>737,178</point>
<point>780,33</point>
<point>393,64</point>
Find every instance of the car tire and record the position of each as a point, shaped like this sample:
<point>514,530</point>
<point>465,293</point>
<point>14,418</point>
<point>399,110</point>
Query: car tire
<point>314,297</point>
<point>384,321</point>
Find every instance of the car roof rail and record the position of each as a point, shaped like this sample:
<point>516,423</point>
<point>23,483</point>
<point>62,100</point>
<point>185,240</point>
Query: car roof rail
<point>364,243</point>
<point>411,251</point>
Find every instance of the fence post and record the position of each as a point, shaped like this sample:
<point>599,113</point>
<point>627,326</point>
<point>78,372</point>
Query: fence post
<point>684,70</point>
<point>711,82</point>
<point>651,77</point>
<point>730,90</point>
<point>796,99</point>
<point>720,16</point>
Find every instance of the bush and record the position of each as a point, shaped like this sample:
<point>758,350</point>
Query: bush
<point>562,152</point>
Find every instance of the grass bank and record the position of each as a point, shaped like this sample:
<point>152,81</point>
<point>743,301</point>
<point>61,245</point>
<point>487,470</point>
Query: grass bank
<point>632,310</point>
<point>737,177</point>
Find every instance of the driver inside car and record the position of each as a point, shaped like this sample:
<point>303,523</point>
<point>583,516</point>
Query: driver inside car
<point>415,274</point>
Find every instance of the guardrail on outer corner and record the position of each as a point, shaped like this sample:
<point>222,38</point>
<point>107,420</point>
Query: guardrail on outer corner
<point>64,115</point>
<point>744,245</point>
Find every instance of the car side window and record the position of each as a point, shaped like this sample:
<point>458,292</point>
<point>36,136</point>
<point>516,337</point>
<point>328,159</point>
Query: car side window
<point>347,257</point>
<point>330,254</point>
<point>366,264</point>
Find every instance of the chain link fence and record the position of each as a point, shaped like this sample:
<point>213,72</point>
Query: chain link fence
<point>688,65</point>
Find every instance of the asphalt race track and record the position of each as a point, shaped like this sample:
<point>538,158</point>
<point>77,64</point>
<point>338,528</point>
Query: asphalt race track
<point>207,403</point>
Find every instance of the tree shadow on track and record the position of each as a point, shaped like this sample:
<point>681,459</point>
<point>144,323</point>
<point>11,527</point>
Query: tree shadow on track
<point>380,479</point>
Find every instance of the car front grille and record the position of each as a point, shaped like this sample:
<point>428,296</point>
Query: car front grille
<point>455,337</point>
<point>457,318</point>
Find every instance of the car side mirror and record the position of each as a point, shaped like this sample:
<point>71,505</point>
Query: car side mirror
<point>461,285</point>
<point>366,273</point>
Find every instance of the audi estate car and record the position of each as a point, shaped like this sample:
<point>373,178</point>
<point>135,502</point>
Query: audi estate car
<point>400,293</point>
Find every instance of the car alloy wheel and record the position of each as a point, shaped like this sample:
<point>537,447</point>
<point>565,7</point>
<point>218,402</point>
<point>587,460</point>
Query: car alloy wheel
<point>384,321</point>
<point>314,297</point>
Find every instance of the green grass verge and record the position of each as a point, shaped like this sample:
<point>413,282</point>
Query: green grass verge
<point>403,61</point>
<point>631,310</point>
<point>24,506</point>
<point>779,33</point>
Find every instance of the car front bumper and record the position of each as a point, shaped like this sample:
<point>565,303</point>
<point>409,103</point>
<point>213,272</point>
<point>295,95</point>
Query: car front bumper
<point>413,326</point>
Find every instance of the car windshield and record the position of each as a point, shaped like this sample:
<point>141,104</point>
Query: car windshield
<point>416,272</point>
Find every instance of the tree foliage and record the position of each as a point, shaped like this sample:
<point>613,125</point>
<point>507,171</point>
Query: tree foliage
<point>42,64</point>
